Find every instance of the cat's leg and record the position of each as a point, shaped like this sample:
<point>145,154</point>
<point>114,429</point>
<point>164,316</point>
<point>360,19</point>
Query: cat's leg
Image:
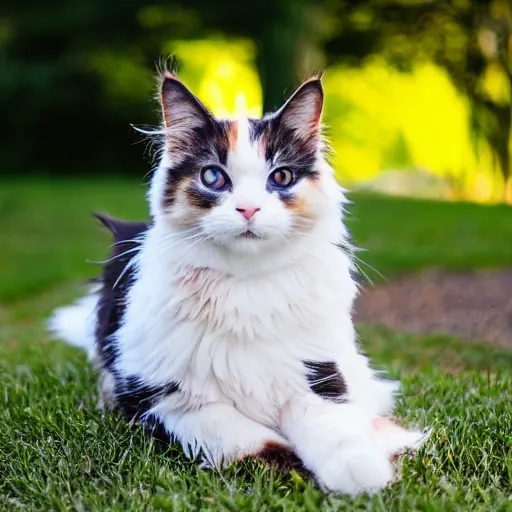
<point>368,387</point>
<point>106,390</point>
<point>221,435</point>
<point>342,444</point>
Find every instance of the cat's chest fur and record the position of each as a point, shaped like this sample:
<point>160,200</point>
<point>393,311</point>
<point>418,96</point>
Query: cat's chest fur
<point>245,310</point>
<point>241,340</point>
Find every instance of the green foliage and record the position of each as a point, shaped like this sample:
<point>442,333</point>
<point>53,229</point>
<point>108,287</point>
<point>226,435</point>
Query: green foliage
<point>399,235</point>
<point>58,63</point>
<point>469,39</point>
<point>74,76</point>
<point>399,155</point>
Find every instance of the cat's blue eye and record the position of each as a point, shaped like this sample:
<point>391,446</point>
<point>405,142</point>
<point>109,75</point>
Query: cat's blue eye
<point>214,178</point>
<point>281,178</point>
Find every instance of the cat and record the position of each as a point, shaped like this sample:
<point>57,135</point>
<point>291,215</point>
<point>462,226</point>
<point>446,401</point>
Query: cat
<point>225,323</point>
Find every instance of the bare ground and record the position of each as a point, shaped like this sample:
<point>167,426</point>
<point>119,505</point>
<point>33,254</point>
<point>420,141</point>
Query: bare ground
<point>474,305</point>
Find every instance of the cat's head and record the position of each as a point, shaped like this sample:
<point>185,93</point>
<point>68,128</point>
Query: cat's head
<point>243,185</point>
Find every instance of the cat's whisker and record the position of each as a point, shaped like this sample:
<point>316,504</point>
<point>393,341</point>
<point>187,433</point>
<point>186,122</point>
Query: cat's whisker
<point>183,234</point>
<point>116,257</point>
<point>186,245</point>
<point>172,241</point>
<point>129,265</point>
<point>133,240</point>
<point>358,259</point>
<point>363,273</point>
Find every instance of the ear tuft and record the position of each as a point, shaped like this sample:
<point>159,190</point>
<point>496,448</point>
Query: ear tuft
<point>168,75</point>
<point>303,111</point>
<point>182,111</point>
<point>121,229</point>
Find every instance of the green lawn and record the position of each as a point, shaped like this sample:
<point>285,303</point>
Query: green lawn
<point>57,451</point>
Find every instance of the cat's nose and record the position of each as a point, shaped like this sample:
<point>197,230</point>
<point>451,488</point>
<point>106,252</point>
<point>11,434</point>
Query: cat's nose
<point>248,213</point>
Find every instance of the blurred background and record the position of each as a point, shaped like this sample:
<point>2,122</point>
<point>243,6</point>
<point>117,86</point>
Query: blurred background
<point>418,91</point>
<point>418,109</point>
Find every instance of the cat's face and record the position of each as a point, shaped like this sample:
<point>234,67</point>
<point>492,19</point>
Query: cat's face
<point>242,185</point>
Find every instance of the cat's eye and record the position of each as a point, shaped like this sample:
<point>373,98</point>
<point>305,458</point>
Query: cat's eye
<point>214,178</point>
<point>281,177</point>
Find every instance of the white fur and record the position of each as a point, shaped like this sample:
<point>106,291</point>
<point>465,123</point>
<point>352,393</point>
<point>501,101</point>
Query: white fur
<point>76,323</point>
<point>233,320</point>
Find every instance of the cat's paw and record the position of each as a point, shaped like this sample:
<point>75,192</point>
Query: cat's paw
<point>395,439</point>
<point>356,469</point>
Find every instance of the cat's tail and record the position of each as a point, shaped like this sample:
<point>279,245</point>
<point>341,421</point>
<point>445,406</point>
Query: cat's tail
<point>75,324</point>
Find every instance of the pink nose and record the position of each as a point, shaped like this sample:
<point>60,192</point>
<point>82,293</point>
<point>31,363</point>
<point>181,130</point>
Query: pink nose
<point>248,213</point>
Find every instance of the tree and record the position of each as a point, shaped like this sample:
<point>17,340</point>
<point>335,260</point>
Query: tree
<point>469,39</point>
<point>73,75</point>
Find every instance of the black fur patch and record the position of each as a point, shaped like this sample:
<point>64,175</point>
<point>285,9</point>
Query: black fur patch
<point>121,229</point>
<point>116,281</point>
<point>284,147</point>
<point>135,399</point>
<point>201,198</point>
<point>208,144</point>
<point>326,380</point>
<point>157,430</point>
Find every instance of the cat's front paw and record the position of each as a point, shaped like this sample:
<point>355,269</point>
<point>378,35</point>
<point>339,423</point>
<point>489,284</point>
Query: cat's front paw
<point>356,469</point>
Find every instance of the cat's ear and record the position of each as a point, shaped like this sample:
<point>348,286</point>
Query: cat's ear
<point>303,111</point>
<point>121,229</point>
<point>181,110</point>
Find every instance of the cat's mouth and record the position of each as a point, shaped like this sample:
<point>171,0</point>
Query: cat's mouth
<point>248,235</point>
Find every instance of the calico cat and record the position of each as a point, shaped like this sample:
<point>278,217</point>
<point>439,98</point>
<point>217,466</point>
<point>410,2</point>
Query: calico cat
<point>225,324</point>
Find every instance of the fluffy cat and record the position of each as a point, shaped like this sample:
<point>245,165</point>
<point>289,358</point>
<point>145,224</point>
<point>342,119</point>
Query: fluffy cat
<point>225,324</point>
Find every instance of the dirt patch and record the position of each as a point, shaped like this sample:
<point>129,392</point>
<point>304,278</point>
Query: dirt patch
<point>474,305</point>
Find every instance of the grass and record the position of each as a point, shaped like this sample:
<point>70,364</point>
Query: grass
<point>57,452</point>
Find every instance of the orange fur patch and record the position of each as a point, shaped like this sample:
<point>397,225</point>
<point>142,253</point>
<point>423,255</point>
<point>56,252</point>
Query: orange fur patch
<point>180,198</point>
<point>281,458</point>
<point>299,204</point>
<point>381,424</point>
<point>233,135</point>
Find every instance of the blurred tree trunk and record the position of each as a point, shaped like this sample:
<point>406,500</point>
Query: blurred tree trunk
<point>288,48</point>
<point>507,66</point>
<point>278,43</point>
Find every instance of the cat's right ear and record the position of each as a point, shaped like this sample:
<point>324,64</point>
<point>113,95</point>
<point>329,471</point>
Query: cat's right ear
<point>181,110</point>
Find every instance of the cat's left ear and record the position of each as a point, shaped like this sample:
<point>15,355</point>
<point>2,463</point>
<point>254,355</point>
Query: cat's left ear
<point>182,111</point>
<point>303,111</point>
